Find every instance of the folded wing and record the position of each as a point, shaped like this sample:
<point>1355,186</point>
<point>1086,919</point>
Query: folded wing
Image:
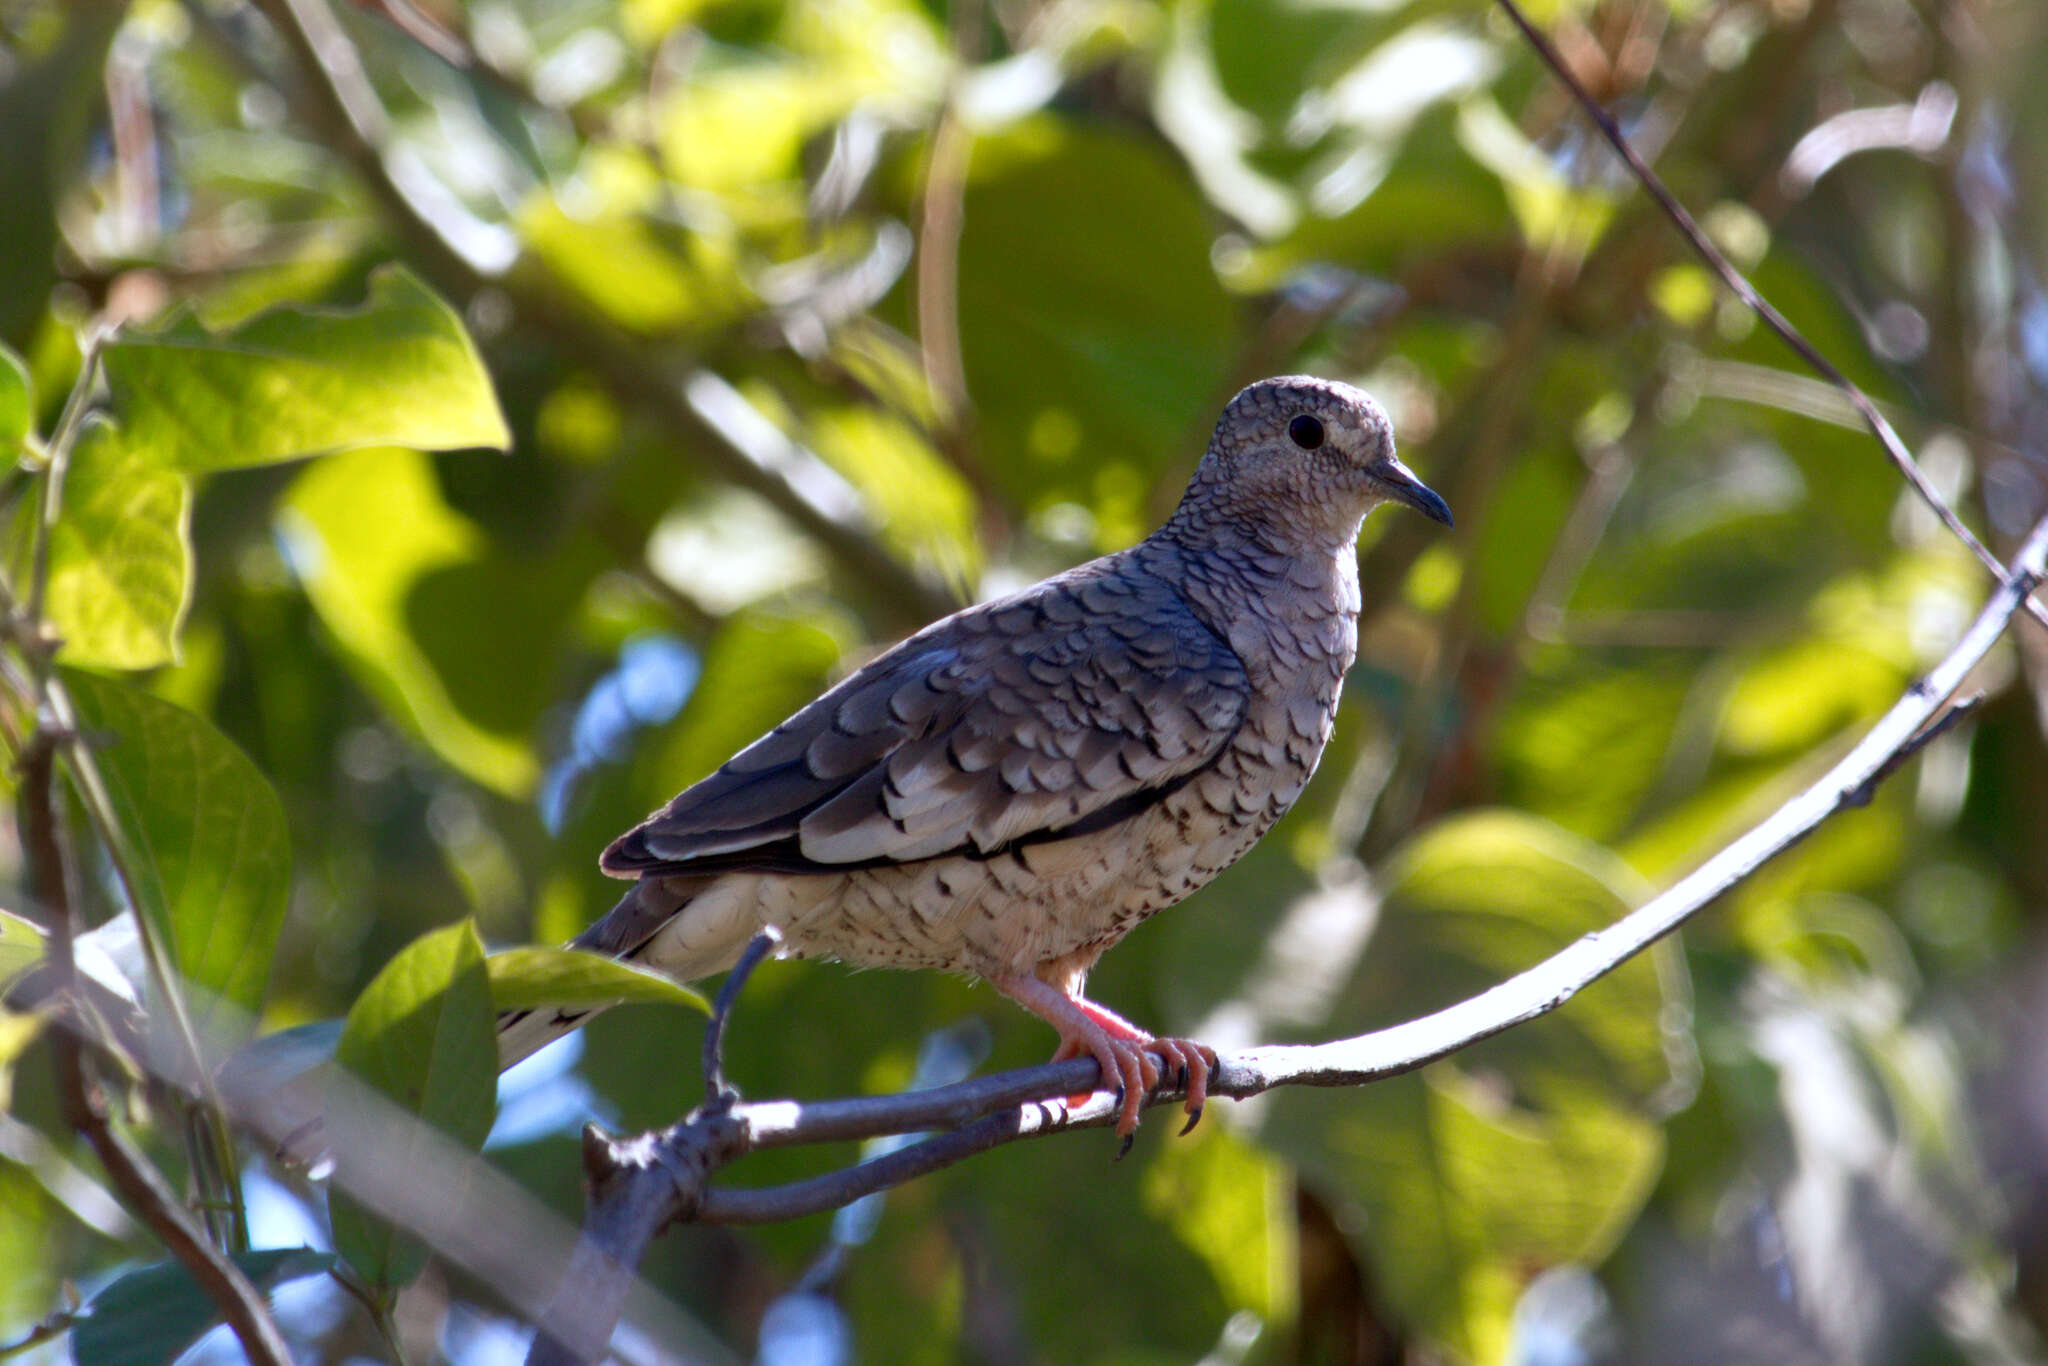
<point>1036,717</point>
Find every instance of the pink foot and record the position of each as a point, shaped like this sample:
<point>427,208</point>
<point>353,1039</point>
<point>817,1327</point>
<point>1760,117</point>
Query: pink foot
<point>1123,1051</point>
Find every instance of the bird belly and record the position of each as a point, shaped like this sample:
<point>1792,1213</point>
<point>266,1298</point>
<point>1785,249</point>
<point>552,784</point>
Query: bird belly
<point>1045,900</point>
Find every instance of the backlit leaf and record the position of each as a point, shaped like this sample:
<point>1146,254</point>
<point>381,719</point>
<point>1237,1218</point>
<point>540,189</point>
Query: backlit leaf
<point>120,565</point>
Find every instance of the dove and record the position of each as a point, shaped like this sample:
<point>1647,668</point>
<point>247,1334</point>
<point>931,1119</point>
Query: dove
<point>1010,791</point>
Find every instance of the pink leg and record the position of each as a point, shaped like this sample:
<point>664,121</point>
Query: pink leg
<point>1119,1047</point>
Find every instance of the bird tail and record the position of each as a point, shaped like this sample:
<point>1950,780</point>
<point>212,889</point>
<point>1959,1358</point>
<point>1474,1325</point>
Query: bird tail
<point>649,925</point>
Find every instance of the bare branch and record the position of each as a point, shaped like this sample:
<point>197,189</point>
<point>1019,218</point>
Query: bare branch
<point>719,1095</point>
<point>1740,286</point>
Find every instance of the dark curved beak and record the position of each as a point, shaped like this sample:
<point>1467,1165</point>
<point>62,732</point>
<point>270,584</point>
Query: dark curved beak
<point>1402,485</point>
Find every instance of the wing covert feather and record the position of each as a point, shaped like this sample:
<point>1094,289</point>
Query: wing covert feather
<point>1001,723</point>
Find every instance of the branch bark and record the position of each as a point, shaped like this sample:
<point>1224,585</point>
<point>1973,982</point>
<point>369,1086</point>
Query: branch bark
<point>666,1174</point>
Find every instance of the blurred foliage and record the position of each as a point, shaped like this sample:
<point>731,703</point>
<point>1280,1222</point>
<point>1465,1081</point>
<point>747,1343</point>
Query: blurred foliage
<point>507,424</point>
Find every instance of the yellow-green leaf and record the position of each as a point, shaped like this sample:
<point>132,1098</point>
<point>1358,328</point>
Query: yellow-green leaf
<point>372,526</point>
<point>531,977</point>
<point>120,563</point>
<point>17,403</point>
<point>398,371</point>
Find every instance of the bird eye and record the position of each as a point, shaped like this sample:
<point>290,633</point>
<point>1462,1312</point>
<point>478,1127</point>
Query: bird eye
<point>1305,432</point>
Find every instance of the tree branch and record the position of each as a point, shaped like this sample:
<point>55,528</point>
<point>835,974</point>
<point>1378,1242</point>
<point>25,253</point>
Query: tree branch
<point>1740,286</point>
<point>641,1185</point>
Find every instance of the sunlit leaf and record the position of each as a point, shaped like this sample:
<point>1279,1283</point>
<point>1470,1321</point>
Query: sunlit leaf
<point>294,382</point>
<point>423,1034</point>
<point>17,403</point>
<point>531,977</point>
<point>1233,1205</point>
<point>1485,894</point>
<point>1796,696</point>
<point>645,278</point>
<point>21,947</point>
<point>1556,213</point>
<point>207,841</point>
<point>150,1316</point>
<point>120,565</point>
<point>926,508</point>
<point>373,525</point>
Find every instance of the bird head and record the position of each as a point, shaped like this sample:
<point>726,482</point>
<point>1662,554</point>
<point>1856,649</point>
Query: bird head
<point>1298,457</point>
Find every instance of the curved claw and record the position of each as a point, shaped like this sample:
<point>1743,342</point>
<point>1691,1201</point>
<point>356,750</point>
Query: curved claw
<point>1194,1062</point>
<point>1121,1050</point>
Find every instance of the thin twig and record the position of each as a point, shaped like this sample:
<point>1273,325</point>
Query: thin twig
<point>719,1096</point>
<point>1740,286</point>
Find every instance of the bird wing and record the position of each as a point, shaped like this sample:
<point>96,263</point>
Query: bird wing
<point>1047,714</point>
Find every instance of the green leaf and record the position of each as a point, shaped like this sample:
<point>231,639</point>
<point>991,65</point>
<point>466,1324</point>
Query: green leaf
<point>370,528</point>
<point>206,836</point>
<point>150,1316</point>
<point>423,1033</point>
<point>21,947</point>
<point>1485,894</point>
<point>1460,1200</point>
<point>1233,1205</point>
<point>294,382</point>
<point>120,557</point>
<point>1797,695</point>
<point>529,977</point>
<point>1530,1149</point>
<point>17,402</point>
<point>1092,326</point>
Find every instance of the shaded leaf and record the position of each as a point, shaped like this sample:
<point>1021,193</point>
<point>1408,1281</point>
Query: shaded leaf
<point>120,561</point>
<point>208,842</point>
<point>1460,1201</point>
<point>531,977</point>
<point>148,1317</point>
<point>1533,1148</point>
<point>1094,332</point>
<point>423,1033</point>
<point>294,382</point>
<point>373,526</point>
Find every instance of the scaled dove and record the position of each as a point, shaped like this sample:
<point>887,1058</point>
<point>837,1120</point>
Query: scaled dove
<point>1009,791</point>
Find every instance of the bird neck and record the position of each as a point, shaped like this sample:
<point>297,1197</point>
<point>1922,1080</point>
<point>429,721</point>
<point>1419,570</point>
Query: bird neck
<point>1290,615</point>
